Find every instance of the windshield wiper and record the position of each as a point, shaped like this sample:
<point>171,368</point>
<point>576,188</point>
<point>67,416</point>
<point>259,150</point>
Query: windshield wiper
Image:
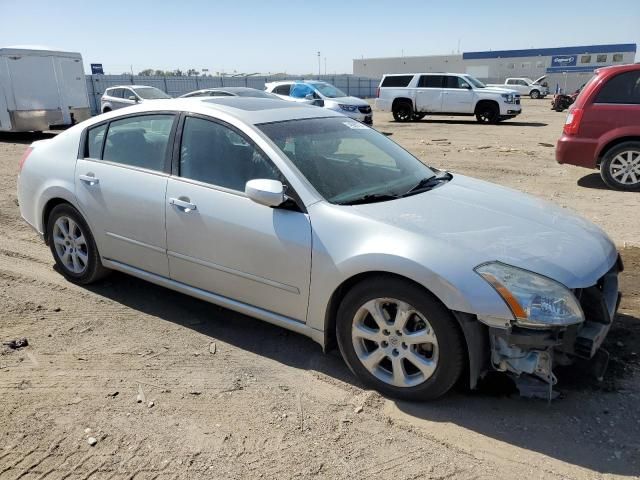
<point>428,183</point>
<point>370,198</point>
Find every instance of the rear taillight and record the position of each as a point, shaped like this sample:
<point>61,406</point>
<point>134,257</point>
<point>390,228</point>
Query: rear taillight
<point>26,153</point>
<point>377,92</point>
<point>572,125</point>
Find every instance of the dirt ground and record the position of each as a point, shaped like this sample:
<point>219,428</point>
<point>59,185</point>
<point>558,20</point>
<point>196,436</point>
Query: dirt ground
<point>268,403</point>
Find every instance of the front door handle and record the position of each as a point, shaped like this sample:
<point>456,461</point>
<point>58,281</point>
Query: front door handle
<point>89,179</point>
<point>183,204</point>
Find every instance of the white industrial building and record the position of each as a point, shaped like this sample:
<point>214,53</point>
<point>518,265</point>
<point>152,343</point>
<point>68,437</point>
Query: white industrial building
<point>567,68</point>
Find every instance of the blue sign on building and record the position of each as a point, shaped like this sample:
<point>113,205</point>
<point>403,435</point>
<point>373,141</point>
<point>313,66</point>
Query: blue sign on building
<point>563,61</point>
<point>96,69</point>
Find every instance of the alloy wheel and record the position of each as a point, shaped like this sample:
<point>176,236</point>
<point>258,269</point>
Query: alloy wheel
<point>394,342</point>
<point>70,245</point>
<point>625,168</point>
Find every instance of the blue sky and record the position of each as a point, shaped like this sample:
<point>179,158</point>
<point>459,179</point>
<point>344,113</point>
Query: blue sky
<point>279,36</point>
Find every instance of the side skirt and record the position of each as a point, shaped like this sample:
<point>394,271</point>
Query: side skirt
<point>249,310</point>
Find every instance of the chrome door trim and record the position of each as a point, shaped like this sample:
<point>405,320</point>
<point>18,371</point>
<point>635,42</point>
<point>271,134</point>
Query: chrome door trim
<point>238,273</point>
<point>135,242</point>
<point>250,310</point>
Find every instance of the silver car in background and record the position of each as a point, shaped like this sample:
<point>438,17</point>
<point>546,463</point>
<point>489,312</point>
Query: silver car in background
<point>229,92</point>
<point>127,95</point>
<point>312,221</point>
<point>322,94</point>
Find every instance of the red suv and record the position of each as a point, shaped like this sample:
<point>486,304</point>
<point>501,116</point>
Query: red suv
<point>603,127</point>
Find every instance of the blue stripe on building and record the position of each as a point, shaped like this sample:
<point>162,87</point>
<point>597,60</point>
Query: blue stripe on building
<point>543,52</point>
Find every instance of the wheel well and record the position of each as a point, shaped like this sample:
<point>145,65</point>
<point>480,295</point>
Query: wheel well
<point>612,144</point>
<point>106,109</point>
<point>51,204</point>
<point>399,100</point>
<point>339,293</point>
<point>486,102</point>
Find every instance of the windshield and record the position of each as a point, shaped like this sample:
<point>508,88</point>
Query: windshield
<point>475,82</point>
<point>345,160</point>
<point>151,93</point>
<point>328,90</point>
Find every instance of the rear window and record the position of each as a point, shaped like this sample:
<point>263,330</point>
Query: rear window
<point>396,81</point>
<point>623,88</point>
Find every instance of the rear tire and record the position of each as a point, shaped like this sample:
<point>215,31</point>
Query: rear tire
<point>410,348</point>
<point>73,246</point>
<point>535,94</point>
<point>403,111</point>
<point>620,167</point>
<point>106,110</point>
<point>488,113</point>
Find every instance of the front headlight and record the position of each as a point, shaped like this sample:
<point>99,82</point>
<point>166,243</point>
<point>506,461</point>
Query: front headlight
<point>534,300</point>
<point>508,97</point>
<point>348,108</point>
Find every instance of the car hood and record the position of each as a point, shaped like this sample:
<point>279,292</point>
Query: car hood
<point>348,101</point>
<point>486,222</point>
<point>497,90</point>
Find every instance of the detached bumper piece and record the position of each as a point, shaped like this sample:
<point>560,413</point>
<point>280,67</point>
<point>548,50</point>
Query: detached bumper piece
<point>533,352</point>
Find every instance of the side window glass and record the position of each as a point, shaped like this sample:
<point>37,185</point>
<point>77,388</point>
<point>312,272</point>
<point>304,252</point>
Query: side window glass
<point>430,81</point>
<point>282,89</point>
<point>623,88</point>
<point>139,141</point>
<point>300,90</point>
<point>214,153</point>
<point>95,137</point>
<point>117,93</point>
<point>129,93</point>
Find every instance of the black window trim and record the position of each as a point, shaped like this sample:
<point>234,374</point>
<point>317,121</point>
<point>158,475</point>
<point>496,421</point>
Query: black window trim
<point>604,85</point>
<point>177,147</point>
<point>83,147</point>
<point>443,79</point>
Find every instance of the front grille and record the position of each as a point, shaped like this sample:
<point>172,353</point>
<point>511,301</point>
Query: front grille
<point>366,109</point>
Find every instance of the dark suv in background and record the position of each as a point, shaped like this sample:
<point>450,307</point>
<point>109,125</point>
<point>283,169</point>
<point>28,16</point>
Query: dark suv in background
<point>603,127</point>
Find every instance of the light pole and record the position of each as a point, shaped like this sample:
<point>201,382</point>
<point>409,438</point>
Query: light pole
<point>318,65</point>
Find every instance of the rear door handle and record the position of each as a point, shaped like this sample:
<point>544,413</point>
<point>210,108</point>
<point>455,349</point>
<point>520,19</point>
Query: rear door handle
<point>89,179</point>
<point>183,204</point>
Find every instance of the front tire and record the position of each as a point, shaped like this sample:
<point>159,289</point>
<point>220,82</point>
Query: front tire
<point>620,167</point>
<point>416,117</point>
<point>403,112</point>
<point>73,247</point>
<point>399,340</point>
<point>535,94</point>
<point>487,113</point>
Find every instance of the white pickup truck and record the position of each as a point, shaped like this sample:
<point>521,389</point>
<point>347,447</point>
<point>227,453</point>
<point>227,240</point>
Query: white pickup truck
<point>525,86</point>
<point>412,96</point>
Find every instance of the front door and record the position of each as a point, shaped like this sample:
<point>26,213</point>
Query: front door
<point>120,186</point>
<point>458,95</point>
<point>429,94</point>
<point>221,241</point>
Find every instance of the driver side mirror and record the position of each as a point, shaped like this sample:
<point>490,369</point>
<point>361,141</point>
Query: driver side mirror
<point>133,97</point>
<point>309,96</point>
<point>265,192</point>
<point>467,86</point>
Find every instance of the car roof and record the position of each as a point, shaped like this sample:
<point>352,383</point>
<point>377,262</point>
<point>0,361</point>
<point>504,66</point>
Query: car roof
<point>628,67</point>
<point>131,86</point>
<point>249,110</point>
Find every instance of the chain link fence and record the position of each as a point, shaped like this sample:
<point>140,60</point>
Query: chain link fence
<point>362,87</point>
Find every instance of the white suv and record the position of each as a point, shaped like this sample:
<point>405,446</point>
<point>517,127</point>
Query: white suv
<point>322,94</point>
<point>412,96</point>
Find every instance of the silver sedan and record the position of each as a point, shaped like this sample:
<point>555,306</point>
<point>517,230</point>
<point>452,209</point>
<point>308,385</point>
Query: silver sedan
<point>317,223</point>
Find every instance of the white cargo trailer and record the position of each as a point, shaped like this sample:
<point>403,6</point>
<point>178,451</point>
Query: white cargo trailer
<point>41,88</point>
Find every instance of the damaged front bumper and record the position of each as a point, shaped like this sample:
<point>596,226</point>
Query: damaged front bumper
<point>522,351</point>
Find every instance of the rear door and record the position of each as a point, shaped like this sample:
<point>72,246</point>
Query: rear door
<point>458,96</point>
<point>73,86</point>
<point>121,184</point>
<point>429,93</point>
